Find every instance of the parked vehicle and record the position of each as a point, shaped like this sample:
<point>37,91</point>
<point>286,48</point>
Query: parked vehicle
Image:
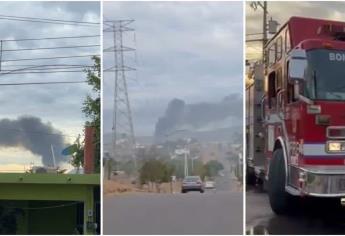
<point>192,183</point>
<point>296,114</point>
<point>210,184</point>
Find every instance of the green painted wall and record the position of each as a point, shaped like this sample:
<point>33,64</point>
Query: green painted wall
<point>60,220</point>
<point>41,220</point>
<point>42,189</point>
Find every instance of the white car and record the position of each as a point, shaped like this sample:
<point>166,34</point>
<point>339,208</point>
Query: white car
<point>210,185</point>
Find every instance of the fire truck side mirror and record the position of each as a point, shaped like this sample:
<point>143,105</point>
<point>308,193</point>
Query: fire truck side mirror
<point>297,65</point>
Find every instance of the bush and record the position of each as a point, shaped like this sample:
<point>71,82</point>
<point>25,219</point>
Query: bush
<point>213,167</point>
<point>155,171</point>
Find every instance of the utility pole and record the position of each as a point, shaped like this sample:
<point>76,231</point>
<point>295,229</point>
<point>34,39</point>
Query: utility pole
<point>185,163</point>
<point>263,5</point>
<point>1,42</point>
<point>186,157</point>
<point>122,129</point>
<point>192,165</point>
<point>264,29</point>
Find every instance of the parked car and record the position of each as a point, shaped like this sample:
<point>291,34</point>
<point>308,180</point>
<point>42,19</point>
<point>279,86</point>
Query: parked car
<point>192,183</point>
<point>210,185</point>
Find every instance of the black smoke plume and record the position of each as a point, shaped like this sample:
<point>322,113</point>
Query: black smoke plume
<point>34,135</point>
<point>179,114</point>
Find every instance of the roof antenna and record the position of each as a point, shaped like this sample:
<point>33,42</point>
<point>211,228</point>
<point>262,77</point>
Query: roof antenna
<point>53,155</point>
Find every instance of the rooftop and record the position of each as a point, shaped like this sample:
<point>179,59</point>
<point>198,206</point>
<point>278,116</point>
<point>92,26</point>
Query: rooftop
<point>30,178</point>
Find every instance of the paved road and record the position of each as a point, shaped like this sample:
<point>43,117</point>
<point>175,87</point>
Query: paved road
<point>191,213</point>
<point>311,217</point>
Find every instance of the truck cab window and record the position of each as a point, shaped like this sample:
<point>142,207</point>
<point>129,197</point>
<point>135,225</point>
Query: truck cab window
<point>279,48</point>
<point>272,55</point>
<point>287,41</point>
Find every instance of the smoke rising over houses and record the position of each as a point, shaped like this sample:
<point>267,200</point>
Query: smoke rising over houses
<point>180,115</point>
<point>32,134</point>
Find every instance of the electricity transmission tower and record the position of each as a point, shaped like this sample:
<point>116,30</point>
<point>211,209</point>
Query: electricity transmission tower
<point>123,131</point>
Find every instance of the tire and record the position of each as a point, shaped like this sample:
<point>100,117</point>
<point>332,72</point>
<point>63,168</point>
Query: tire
<point>183,191</point>
<point>250,177</point>
<point>202,191</point>
<point>280,200</point>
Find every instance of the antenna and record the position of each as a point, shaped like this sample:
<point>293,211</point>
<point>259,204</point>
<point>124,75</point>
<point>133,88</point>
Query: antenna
<point>53,155</point>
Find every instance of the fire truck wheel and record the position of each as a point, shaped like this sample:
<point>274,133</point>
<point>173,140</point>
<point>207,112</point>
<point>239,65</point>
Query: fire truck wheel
<point>250,177</point>
<point>280,200</point>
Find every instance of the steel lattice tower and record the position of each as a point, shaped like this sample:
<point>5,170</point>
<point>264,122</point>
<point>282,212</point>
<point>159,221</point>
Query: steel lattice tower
<point>123,130</point>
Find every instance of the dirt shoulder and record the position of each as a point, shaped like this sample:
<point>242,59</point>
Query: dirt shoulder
<point>125,186</point>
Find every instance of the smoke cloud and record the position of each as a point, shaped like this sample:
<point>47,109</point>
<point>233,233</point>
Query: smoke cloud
<point>34,135</point>
<point>179,114</point>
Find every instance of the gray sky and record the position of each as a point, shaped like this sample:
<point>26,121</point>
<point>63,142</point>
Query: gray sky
<point>186,50</point>
<point>58,104</point>
<point>282,11</point>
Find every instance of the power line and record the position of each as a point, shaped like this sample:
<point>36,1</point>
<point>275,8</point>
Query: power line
<point>252,34</point>
<point>51,38</point>
<point>42,83</point>
<point>48,69</point>
<point>50,65</point>
<point>48,21</point>
<point>39,72</point>
<point>51,48</point>
<point>41,68</point>
<point>50,58</point>
<point>45,207</point>
<point>37,132</point>
<point>253,40</point>
<point>30,65</point>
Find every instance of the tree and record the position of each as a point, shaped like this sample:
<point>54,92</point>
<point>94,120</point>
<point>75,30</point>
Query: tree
<point>151,171</point>
<point>213,167</point>
<point>91,109</point>
<point>199,169</point>
<point>77,152</point>
<point>128,167</point>
<point>169,171</point>
<point>178,165</point>
<point>155,171</point>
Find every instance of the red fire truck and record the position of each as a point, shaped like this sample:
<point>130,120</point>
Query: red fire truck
<point>296,113</point>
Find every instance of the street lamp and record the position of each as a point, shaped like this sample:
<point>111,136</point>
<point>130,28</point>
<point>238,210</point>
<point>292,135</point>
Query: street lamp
<point>193,158</point>
<point>184,152</point>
